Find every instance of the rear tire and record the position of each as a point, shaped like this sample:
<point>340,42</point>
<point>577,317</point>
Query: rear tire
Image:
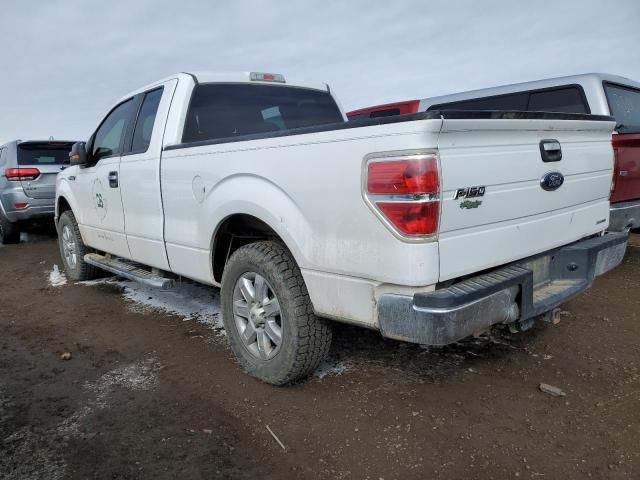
<point>268,316</point>
<point>73,249</point>
<point>9,232</point>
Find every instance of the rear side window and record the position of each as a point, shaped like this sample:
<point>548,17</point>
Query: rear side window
<point>3,156</point>
<point>146,120</point>
<point>43,153</point>
<point>568,100</point>
<point>624,104</point>
<point>515,101</point>
<point>228,110</point>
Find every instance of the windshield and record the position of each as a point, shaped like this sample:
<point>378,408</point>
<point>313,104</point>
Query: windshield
<point>43,153</point>
<point>229,110</point>
<point>624,104</point>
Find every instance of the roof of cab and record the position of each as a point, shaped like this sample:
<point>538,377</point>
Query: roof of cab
<point>228,77</point>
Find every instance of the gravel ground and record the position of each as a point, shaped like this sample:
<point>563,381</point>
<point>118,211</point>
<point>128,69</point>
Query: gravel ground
<point>151,391</point>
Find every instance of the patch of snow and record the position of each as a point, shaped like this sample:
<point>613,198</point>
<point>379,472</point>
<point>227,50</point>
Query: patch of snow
<point>189,300</point>
<point>136,376</point>
<point>57,278</point>
<point>331,368</point>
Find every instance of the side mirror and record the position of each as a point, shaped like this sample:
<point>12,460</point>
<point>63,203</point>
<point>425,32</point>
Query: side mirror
<point>78,154</point>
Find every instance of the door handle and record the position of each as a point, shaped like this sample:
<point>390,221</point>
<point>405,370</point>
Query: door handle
<point>550,150</point>
<point>113,179</point>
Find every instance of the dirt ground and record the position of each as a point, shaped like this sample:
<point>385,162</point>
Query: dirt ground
<point>147,394</point>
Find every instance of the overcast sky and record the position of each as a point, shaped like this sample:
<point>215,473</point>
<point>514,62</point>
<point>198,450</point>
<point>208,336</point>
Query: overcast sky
<point>64,63</point>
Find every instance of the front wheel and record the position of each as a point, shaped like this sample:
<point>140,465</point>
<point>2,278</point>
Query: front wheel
<point>73,249</point>
<point>268,315</point>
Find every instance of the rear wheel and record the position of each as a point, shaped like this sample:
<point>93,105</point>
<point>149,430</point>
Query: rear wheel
<point>73,249</point>
<point>268,315</point>
<point>9,232</point>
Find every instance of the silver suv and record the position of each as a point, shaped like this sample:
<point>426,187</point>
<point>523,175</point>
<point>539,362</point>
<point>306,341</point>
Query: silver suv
<point>28,172</point>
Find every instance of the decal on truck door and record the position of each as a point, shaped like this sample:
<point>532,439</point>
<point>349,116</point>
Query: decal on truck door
<point>100,200</point>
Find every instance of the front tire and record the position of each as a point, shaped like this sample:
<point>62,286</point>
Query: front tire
<point>268,316</point>
<point>73,249</point>
<point>9,232</point>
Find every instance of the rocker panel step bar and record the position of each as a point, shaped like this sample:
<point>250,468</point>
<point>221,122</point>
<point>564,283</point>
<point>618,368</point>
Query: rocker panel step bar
<point>129,271</point>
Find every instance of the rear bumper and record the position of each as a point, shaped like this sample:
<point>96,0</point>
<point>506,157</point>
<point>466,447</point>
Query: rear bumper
<point>624,215</point>
<point>517,292</point>
<point>37,207</point>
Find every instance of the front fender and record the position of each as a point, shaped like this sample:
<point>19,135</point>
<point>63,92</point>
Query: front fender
<point>65,190</point>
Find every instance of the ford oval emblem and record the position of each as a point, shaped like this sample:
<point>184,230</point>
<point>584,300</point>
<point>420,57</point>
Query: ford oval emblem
<point>552,181</point>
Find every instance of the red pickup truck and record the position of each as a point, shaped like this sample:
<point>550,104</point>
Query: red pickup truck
<point>594,93</point>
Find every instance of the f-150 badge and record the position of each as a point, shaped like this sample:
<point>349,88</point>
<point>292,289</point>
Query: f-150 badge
<point>470,192</point>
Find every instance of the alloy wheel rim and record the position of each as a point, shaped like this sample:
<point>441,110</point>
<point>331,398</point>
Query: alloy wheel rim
<point>257,316</point>
<point>69,247</point>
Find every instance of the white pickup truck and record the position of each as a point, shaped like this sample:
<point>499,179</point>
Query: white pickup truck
<point>428,227</point>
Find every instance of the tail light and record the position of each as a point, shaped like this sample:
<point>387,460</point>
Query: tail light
<point>405,192</point>
<point>18,174</point>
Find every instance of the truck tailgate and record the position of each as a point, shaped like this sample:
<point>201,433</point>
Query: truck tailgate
<point>516,217</point>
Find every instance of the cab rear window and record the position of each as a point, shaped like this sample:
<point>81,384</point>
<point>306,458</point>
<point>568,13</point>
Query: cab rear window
<point>624,104</point>
<point>43,153</point>
<point>218,111</point>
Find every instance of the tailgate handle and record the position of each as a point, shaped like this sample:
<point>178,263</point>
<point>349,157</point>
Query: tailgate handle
<point>550,150</point>
<point>113,179</point>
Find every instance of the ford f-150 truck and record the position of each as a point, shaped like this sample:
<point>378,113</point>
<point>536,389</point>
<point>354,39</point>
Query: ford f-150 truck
<point>428,227</point>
